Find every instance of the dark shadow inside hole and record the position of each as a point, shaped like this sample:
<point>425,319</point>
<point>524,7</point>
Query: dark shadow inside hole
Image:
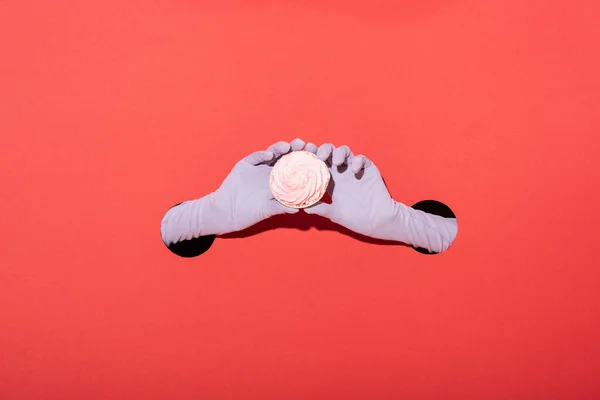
<point>436,208</point>
<point>193,247</point>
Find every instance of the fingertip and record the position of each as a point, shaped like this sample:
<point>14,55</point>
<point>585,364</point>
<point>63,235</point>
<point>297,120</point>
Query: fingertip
<point>281,147</point>
<point>282,209</point>
<point>358,163</point>
<point>297,144</point>
<point>324,152</point>
<point>319,208</point>
<point>337,158</point>
<point>311,147</point>
<point>259,157</point>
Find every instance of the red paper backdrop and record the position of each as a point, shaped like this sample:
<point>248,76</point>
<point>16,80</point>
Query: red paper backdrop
<point>113,111</point>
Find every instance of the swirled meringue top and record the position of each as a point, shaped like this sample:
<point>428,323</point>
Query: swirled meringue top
<point>299,179</point>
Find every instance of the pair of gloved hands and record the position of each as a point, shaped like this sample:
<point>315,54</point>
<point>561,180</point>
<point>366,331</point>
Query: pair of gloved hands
<point>360,202</point>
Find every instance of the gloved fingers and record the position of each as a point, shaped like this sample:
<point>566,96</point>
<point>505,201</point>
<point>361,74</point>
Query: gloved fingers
<point>259,157</point>
<point>279,148</point>
<point>322,209</point>
<point>311,147</point>
<point>297,144</point>
<point>360,162</point>
<point>341,156</point>
<point>325,151</point>
<point>273,207</point>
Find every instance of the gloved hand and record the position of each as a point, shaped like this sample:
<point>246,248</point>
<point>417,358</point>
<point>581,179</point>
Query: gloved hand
<point>362,203</point>
<point>243,199</point>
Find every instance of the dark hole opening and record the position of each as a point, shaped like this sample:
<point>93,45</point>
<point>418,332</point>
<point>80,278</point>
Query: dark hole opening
<point>192,248</point>
<point>433,207</point>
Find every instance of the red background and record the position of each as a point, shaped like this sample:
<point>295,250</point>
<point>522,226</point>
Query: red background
<point>113,111</point>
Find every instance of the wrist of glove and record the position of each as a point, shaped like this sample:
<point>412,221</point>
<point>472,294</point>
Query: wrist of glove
<point>417,228</point>
<point>187,221</point>
<point>201,217</point>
